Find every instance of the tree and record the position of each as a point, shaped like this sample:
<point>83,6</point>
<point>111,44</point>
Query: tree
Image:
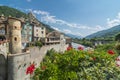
<point>117,37</point>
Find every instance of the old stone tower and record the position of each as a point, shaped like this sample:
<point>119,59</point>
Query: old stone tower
<point>15,35</point>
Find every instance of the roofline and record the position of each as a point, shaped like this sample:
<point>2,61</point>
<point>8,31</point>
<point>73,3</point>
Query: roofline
<point>14,18</point>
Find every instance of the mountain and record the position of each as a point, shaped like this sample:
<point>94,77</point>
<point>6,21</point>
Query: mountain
<point>32,18</point>
<point>105,33</point>
<point>8,11</point>
<point>73,36</point>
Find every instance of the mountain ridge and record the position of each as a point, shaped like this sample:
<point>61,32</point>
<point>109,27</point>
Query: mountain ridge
<point>111,32</point>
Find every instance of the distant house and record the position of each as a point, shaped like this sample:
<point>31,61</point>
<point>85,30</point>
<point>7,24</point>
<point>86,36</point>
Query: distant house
<point>54,37</point>
<point>4,35</point>
<point>39,32</point>
<point>100,42</point>
<point>68,40</point>
<point>27,32</point>
<point>3,25</point>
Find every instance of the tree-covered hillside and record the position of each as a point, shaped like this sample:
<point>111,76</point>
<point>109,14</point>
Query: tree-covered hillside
<point>8,11</point>
<point>106,33</point>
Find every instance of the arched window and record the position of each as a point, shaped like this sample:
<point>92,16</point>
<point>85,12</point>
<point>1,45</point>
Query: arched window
<point>15,27</point>
<point>15,38</point>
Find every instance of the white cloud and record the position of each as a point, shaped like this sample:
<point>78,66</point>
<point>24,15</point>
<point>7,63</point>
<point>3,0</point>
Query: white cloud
<point>39,12</point>
<point>67,31</point>
<point>46,17</point>
<point>56,28</point>
<point>113,22</point>
<point>28,0</point>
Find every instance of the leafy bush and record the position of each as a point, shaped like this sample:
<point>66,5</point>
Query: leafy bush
<point>117,46</point>
<point>78,65</point>
<point>38,43</point>
<point>105,47</point>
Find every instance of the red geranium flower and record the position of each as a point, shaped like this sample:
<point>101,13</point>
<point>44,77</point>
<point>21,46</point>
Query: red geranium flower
<point>80,48</point>
<point>30,69</point>
<point>69,48</point>
<point>111,52</point>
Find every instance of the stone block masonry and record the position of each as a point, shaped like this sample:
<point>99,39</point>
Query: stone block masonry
<point>37,54</point>
<point>18,63</point>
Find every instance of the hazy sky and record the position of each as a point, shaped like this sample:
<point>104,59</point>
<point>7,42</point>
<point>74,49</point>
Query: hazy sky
<point>79,17</point>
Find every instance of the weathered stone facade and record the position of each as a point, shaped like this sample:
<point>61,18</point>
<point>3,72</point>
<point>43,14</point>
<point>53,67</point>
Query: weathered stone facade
<point>39,32</point>
<point>15,35</point>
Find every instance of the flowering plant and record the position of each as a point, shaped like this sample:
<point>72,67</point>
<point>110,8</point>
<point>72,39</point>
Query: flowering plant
<point>111,52</point>
<point>79,65</point>
<point>69,48</point>
<point>30,69</point>
<point>80,48</point>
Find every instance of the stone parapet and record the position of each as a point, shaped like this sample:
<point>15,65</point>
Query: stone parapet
<point>17,65</point>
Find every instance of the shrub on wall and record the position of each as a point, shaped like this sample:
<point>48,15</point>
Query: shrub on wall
<point>38,43</point>
<point>79,65</point>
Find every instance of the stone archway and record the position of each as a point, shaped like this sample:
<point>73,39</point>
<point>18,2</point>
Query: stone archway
<point>2,67</point>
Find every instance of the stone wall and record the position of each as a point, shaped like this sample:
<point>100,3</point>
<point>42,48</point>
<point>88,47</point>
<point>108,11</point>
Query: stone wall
<point>3,60</point>
<point>18,63</point>
<point>37,54</point>
<point>4,49</point>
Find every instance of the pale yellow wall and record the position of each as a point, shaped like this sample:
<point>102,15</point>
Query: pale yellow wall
<point>15,35</point>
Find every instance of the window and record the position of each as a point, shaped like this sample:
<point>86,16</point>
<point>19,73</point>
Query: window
<point>36,30</point>
<point>25,27</point>
<point>30,39</point>
<point>42,32</point>
<point>15,38</point>
<point>42,27</point>
<point>15,27</point>
<point>30,32</point>
<point>36,34</point>
<point>30,27</point>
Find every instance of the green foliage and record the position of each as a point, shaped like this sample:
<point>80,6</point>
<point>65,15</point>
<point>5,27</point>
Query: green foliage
<point>105,47</point>
<point>117,46</point>
<point>38,43</point>
<point>117,37</point>
<point>7,11</point>
<point>85,42</point>
<point>78,65</point>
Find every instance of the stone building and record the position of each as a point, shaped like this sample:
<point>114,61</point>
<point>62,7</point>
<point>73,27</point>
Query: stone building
<point>15,35</point>
<point>39,32</point>
<point>68,40</point>
<point>54,37</point>
<point>27,33</point>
